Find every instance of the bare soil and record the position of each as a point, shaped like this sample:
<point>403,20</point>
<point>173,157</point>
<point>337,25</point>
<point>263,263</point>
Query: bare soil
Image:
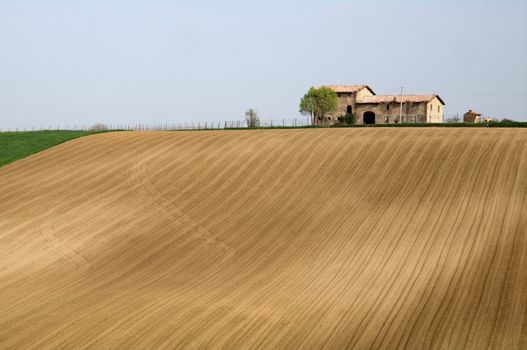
<point>273,239</point>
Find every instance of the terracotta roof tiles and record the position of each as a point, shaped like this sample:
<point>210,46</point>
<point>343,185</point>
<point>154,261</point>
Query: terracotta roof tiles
<point>398,98</point>
<point>382,98</point>
<point>347,88</point>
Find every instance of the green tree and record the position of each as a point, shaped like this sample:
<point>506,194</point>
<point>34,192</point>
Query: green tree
<point>318,103</point>
<point>307,105</point>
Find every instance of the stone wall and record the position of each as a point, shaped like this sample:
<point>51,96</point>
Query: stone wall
<point>413,112</point>
<point>345,100</point>
<point>435,112</point>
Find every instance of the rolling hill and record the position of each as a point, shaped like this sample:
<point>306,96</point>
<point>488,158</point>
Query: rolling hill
<point>275,239</point>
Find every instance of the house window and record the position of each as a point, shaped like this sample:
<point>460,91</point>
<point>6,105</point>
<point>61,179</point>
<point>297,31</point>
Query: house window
<point>430,108</point>
<point>438,108</point>
<point>349,110</point>
<point>387,107</point>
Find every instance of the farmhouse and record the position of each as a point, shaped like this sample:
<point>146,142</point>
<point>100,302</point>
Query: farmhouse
<point>369,108</point>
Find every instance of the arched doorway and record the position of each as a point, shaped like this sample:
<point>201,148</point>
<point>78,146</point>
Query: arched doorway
<point>369,118</point>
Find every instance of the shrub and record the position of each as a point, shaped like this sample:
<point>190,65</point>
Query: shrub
<point>349,119</point>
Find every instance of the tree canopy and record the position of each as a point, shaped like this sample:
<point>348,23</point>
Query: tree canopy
<point>319,102</point>
<point>252,118</point>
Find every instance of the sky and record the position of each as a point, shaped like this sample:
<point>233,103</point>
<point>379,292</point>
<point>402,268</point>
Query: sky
<point>70,62</point>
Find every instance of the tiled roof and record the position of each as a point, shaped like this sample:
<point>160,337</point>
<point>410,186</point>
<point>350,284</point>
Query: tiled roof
<point>398,98</point>
<point>382,98</point>
<point>347,88</point>
<point>377,99</point>
<point>473,112</point>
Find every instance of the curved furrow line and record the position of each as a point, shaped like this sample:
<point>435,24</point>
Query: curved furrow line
<point>387,256</point>
<point>495,174</point>
<point>357,203</point>
<point>272,287</point>
<point>519,235</point>
<point>238,283</point>
<point>477,246</point>
<point>469,244</point>
<point>432,242</point>
<point>348,286</point>
<point>172,213</point>
<point>321,293</point>
<point>458,220</point>
<point>417,269</point>
<point>45,231</point>
<point>425,252</point>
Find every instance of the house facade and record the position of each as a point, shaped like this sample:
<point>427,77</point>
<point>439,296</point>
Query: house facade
<point>370,108</point>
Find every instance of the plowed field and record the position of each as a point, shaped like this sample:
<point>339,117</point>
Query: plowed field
<point>331,238</point>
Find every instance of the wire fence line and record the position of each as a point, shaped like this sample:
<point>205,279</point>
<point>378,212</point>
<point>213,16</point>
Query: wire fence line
<point>208,125</point>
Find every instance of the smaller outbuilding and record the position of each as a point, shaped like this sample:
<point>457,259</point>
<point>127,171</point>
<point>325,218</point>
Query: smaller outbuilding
<point>472,117</point>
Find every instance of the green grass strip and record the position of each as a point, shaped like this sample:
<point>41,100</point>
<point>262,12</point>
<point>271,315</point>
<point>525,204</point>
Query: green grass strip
<point>17,145</point>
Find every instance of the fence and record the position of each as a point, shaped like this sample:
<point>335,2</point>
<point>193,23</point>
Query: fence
<point>285,122</point>
<point>232,124</point>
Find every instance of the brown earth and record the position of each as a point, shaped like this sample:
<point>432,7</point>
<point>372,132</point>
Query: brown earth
<point>334,238</point>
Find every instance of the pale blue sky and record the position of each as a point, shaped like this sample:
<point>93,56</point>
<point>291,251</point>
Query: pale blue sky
<point>79,62</point>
